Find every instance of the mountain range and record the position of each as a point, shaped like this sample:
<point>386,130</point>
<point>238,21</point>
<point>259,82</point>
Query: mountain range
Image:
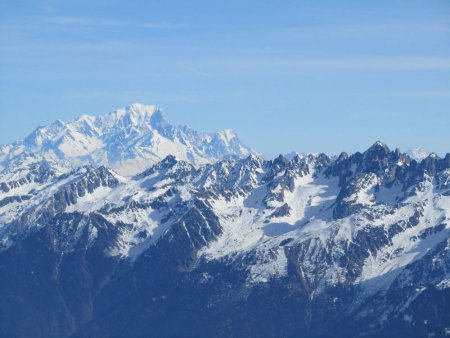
<point>123,225</point>
<point>127,140</point>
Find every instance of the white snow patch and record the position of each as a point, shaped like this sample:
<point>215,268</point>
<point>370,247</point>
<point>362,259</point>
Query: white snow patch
<point>273,264</point>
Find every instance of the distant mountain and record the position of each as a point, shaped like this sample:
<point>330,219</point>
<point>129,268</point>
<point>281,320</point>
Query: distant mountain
<point>418,153</point>
<point>127,140</point>
<point>312,246</point>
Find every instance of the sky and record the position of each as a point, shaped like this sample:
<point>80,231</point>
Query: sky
<point>305,76</point>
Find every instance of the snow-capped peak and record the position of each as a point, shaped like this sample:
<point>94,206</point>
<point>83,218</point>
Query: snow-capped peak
<point>291,155</point>
<point>227,134</point>
<point>418,153</point>
<point>129,140</point>
<point>378,146</point>
<point>138,112</point>
<point>136,115</point>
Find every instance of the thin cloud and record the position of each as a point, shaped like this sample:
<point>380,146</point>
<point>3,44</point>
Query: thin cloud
<point>369,64</point>
<point>367,29</point>
<point>80,21</point>
<point>100,22</point>
<point>425,94</point>
<point>152,96</point>
<point>192,70</point>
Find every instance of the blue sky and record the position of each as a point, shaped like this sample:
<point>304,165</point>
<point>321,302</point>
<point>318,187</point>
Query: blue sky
<point>285,75</point>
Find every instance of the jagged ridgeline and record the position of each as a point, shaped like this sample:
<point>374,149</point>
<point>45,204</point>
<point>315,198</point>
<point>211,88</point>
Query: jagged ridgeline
<point>221,245</point>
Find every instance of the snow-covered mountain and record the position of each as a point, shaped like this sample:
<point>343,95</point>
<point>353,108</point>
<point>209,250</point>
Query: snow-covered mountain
<point>357,245</point>
<point>418,153</point>
<point>127,140</point>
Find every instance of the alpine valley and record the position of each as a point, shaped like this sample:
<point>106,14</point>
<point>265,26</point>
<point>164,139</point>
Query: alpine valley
<point>124,225</point>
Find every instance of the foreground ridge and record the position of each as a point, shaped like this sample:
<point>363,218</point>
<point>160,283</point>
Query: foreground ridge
<point>357,245</point>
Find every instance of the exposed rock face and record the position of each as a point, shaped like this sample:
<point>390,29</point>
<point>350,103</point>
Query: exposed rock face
<point>313,247</point>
